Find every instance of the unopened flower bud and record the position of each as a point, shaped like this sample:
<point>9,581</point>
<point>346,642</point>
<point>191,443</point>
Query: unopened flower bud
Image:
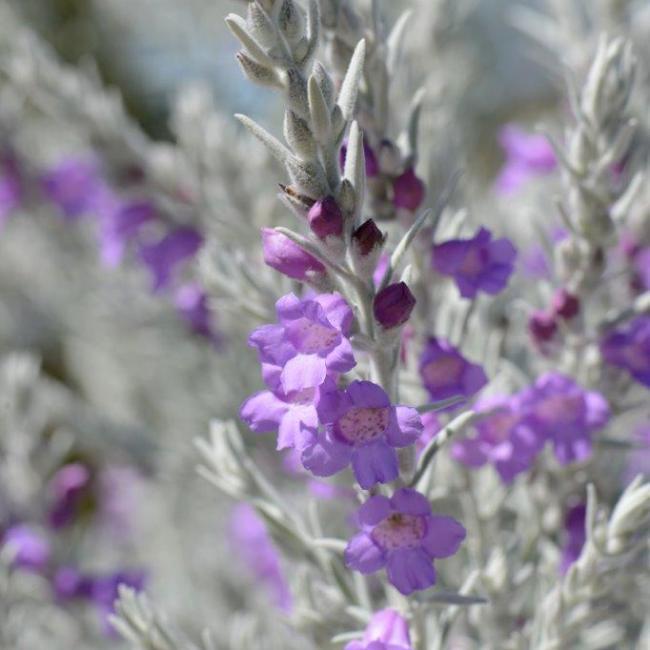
<point>287,257</point>
<point>325,218</point>
<point>393,305</point>
<point>542,326</point>
<point>565,304</point>
<point>367,238</point>
<point>408,191</point>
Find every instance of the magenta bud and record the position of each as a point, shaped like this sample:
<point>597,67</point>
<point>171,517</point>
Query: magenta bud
<point>325,218</point>
<point>565,304</point>
<point>542,326</point>
<point>393,305</point>
<point>283,255</point>
<point>367,237</point>
<point>408,191</point>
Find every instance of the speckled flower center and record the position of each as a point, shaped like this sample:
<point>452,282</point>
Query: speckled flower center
<point>360,424</point>
<point>304,396</point>
<point>399,531</point>
<point>474,262</point>
<point>561,408</point>
<point>312,337</point>
<point>442,371</point>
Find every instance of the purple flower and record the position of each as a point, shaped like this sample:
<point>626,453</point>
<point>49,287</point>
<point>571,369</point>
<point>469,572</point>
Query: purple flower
<point>29,547</point>
<point>10,186</point>
<point>310,341</point>
<point>387,630</point>
<point>164,256</point>
<point>74,186</point>
<point>476,264</point>
<point>68,583</point>
<point>402,535</point>
<point>393,305</point>
<point>191,302</point>
<point>293,415</point>
<point>68,490</point>
<point>559,410</point>
<point>446,373</point>
<point>362,427</point>
<point>504,439</point>
<point>527,155</point>
<point>252,543</point>
<point>281,254</point>
<point>325,218</point>
<point>575,536</point>
<point>408,191</point>
<point>629,348</point>
<point>119,224</point>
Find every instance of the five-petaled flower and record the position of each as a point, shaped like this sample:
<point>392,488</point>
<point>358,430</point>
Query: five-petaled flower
<point>402,535</point>
<point>362,427</point>
<point>476,264</point>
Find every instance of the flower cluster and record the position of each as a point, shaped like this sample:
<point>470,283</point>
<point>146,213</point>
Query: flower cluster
<point>514,429</point>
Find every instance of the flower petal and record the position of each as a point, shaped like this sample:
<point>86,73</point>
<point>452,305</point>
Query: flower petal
<point>363,555</point>
<point>374,463</point>
<point>263,412</point>
<point>405,428</point>
<point>444,536</point>
<point>303,371</point>
<point>410,570</point>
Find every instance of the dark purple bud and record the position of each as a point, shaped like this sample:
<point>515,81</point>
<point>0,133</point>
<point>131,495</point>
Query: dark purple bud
<point>325,218</point>
<point>367,237</point>
<point>408,191</point>
<point>287,257</point>
<point>542,326</point>
<point>393,305</point>
<point>565,304</point>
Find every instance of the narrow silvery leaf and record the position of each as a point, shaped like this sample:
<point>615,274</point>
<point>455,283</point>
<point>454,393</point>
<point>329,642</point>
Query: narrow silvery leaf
<point>237,26</point>
<point>290,21</point>
<point>355,165</point>
<point>297,93</point>
<point>347,197</point>
<point>309,178</point>
<point>350,87</point>
<point>413,124</point>
<point>395,40</point>
<point>450,598</point>
<point>319,111</point>
<point>277,149</point>
<point>298,136</point>
<point>313,30</point>
<point>260,25</point>
<point>258,73</point>
<point>325,82</point>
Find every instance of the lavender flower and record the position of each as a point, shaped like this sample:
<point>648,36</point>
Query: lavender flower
<point>253,544</point>
<point>641,267</point>
<point>431,428</point>
<point>476,264</point>
<point>575,535</point>
<point>281,254</point>
<point>119,223</point>
<point>387,630</point>
<point>310,341</point>
<point>75,186</point>
<point>527,155</point>
<point>542,326</point>
<point>393,305</point>
<point>559,410</point>
<point>408,191</point>
<point>29,547</point>
<point>402,535</point>
<point>164,256</point>
<point>628,348</point>
<point>362,427</point>
<point>446,373</point>
<point>191,302</point>
<point>504,439</point>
